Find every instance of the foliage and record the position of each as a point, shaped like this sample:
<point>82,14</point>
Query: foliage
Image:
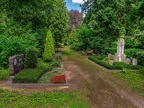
<point>4,74</point>
<point>110,20</point>
<point>131,52</point>
<point>58,79</point>
<point>31,57</point>
<point>13,44</point>
<point>58,21</point>
<point>133,79</point>
<point>32,75</point>
<point>75,19</point>
<point>116,65</point>
<point>110,50</point>
<point>46,78</point>
<point>56,64</point>
<point>56,99</point>
<point>49,48</point>
<point>140,57</point>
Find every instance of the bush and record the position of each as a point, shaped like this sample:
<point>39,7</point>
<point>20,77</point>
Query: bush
<point>116,65</point>
<point>49,48</point>
<point>110,50</point>
<point>4,74</point>
<point>32,75</point>
<point>141,71</point>
<point>131,52</point>
<point>56,64</point>
<point>31,57</point>
<point>100,57</point>
<point>140,57</point>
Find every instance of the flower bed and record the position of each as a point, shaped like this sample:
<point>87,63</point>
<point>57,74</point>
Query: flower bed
<point>59,79</point>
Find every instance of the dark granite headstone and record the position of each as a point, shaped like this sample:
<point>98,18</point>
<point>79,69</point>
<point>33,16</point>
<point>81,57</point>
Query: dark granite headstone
<point>16,64</point>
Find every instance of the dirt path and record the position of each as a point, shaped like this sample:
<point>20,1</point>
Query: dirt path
<point>101,89</point>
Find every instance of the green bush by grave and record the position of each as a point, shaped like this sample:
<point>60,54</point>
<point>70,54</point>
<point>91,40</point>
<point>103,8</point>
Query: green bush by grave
<point>49,50</point>
<point>116,65</point>
<point>29,75</point>
<point>131,52</point>
<point>110,50</point>
<point>31,57</point>
<point>140,57</point>
<point>4,74</point>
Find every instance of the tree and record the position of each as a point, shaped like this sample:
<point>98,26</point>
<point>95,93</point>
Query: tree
<point>58,21</point>
<point>75,19</point>
<point>49,48</point>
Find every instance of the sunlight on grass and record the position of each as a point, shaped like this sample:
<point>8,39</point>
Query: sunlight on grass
<point>133,79</point>
<point>41,100</point>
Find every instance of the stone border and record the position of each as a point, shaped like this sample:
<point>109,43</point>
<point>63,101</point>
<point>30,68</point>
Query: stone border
<point>9,82</point>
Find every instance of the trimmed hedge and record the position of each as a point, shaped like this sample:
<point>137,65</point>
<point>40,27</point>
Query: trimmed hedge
<point>32,75</point>
<point>31,57</point>
<point>140,57</point>
<point>116,65</point>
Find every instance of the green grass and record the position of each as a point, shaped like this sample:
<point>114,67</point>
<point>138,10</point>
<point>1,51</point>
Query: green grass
<point>68,51</point>
<point>29,75</point>
<point>4,74</point>
<point>13,99</point>
<point>135,80</point>
<point>46,78</point>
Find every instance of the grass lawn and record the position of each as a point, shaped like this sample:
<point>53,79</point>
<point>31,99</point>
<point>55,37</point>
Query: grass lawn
<point>134,80</point>
<point>46,78</point>
<point>41,100</point>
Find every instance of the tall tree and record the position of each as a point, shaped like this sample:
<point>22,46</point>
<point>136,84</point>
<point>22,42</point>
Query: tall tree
<point>58,21</point>
<point>75,19</point>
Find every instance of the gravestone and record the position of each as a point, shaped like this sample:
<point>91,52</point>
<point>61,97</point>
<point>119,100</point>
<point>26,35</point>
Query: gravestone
<point>16,64</point>
<point>120,56</point>
<point>134,61</point>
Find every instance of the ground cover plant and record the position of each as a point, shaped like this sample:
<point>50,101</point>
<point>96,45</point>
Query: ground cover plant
<point>29,75</point>
<point>135,80</point>
<point>46,78</point>
<point>13,99</point>
<point>116,65</point>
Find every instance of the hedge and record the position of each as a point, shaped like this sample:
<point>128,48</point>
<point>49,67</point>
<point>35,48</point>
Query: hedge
<point>32,75</point>
<point>140,57</point>
<point>117,65</point>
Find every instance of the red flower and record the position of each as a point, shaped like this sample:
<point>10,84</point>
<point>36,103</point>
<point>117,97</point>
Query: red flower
<point>58,79</point>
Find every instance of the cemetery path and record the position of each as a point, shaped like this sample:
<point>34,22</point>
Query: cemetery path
<point>101,89</point>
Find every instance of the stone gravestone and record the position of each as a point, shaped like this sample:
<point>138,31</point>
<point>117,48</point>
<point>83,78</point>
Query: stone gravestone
<point>16,64</point>
<point>120,56</point>
<point>134,61</point>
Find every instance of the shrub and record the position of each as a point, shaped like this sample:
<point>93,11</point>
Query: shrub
<point>32,75</point>
<point>142,71</point>
<point>117,65</point>
<point>4,74</point>
<point>56,64</point>
<point>140,57</point>
<point>31,57</point>
<point>110,50</point>
<point>131,52</point>
<point>100,57</point>
<point>49,48</point>
<point>58,79</point>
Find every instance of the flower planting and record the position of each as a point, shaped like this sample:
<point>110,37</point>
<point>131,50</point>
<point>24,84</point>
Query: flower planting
<point>58,79</point>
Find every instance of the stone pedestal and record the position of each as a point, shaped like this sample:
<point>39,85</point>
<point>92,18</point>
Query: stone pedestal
<point>16,64</point>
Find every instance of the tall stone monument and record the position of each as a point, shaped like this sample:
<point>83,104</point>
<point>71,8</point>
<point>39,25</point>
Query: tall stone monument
<point>120,56</point>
